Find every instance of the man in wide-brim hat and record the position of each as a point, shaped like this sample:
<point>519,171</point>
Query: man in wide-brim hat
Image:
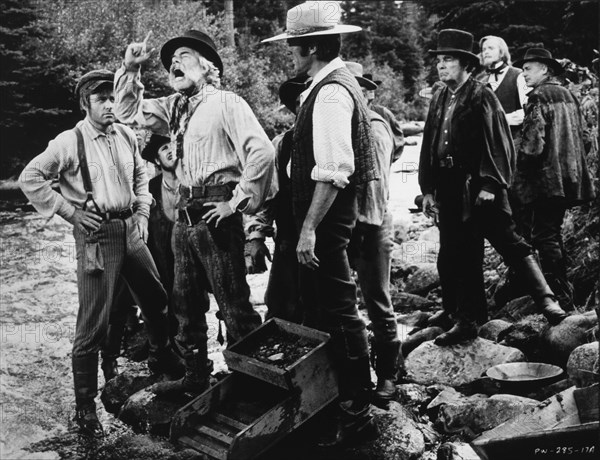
<point>332,155</point>
<point>466,163</point>
<point>551,174</point>
<point>225,167</point>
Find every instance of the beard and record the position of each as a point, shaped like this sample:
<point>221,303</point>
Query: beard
<point>191,81</point>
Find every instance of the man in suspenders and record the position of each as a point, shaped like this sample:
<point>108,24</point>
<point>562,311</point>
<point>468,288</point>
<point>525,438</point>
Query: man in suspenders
<point>104,194</point>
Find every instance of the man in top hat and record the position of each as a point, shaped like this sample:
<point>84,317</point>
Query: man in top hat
<point>551,174</point>
<point>225,167</point>
<point>466,163</point>
<point>110,221</point>
<point>370,252</point>
<point>332,155</point>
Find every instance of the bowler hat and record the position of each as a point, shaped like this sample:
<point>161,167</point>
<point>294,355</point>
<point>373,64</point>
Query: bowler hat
<point>291,89</point>
<point>455,42</point>
<point>313,18</point>
<point>356,69</point>
<point>195,40</point>
<point>540,55</point>
<point>150,152</point>
<point>93,80</point>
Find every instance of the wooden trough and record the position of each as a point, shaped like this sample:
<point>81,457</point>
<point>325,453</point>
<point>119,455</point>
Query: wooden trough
<point>269,393</point>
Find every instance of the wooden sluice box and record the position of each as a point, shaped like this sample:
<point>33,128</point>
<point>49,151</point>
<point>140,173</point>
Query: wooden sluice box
<point>281,377</point>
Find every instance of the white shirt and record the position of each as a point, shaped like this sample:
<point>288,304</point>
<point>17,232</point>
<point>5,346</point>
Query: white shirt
<point>516,117</point>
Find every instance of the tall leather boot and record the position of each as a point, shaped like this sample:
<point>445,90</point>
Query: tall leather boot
<point>387,357</point>
<point>85,380</point>
<point>195,380</point>
<point>112,350</point>
<point>352,419</point>
<point>537,287</point>
<point>462,331</point>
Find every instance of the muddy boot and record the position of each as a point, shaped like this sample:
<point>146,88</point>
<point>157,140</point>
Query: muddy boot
<point>111,351</point>
<point>440,319</point>
<point>462,331</point>
<point>85,380</point>
<point>529,269</point>
<point>165,361</point>
<point>386,368</point>
<point>195,380</point>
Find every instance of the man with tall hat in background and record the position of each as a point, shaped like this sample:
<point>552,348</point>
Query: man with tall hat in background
<point>551,175</point>
<point>225,167</point>
<point>332,156</point>
<point>465,167</point>
<point>110,221</point>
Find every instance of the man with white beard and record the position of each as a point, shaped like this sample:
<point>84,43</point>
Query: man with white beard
<point>226,163</point>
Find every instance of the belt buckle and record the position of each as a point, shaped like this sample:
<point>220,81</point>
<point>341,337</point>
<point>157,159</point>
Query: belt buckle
<point>187,217</point>
<point>190,192</point>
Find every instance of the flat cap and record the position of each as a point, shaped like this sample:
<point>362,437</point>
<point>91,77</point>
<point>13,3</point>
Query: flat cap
<point>93,79</point>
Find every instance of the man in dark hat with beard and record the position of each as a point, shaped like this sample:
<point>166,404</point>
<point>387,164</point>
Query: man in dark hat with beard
<point>551,174</point>
<point>225,167</point>
<point>466,164</point>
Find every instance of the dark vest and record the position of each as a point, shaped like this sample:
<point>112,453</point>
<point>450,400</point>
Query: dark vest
<point>507,92</point>
<point>284,218</point>
<point>303,159</point>
<point>160,229</point>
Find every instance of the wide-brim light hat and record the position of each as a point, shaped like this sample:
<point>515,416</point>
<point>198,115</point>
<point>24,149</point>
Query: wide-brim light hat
<point>540,55</point>
<point>356,69</point>
<point>195,40</point>
<point>455,43</point>
<point>312,19</point>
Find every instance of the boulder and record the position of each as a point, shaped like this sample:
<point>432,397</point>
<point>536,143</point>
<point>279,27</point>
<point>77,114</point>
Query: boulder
<point>131,380</point>
<point>448,395</point>
<point>145,412</point>
<point>517,309</point>
<point>403,301</point>
<point>526,335</point>
<point>414,340</point>
<point>458,364</point>
<point>582,365</point>
<point>412,395</point>
<point>493,328</point>
<point>477,414</point>
<point>560,340</point>
<point>416,319</point>
<point>456,451</point>
<point>423,280</point>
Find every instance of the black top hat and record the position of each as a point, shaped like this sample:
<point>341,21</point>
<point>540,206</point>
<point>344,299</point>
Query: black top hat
<point>369,76</point>
<point>455,42</point>
<point>195,40</point>
<point>291,89</point>
<point>93,80</point>
<point>540,55</point>
<point>150,152</point>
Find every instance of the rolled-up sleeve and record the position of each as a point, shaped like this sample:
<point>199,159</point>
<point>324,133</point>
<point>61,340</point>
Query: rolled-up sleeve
<point>332,136</point>
<point>255,152</point>
<point>132,109</point>
<point>36,179</point>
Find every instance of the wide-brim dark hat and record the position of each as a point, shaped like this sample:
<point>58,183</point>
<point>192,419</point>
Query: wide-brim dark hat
<point>369,76</point>
<point>195,40</point>
<point>356,69</point>
<point>540,55</point>
<point>291,89</point>
<point>92,80</point>
<point>150,152</point>
<point>455,43</point>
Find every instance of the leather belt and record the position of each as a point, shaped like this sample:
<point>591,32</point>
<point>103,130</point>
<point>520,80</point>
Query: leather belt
<point>206,191</point>
<point>110,215</point>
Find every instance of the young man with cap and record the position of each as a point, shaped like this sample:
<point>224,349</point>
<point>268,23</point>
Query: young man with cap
<point>551,174</point>
<point>225,167</point>
<point>332,155</point>
<point>110,221</point>
<point>370,253</point>
<point>466,163</point>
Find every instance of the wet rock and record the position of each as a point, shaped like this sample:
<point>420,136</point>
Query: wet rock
<point>403,301</point>
<point>582,365</point>
<point>517,309</point>
<point>548,391</point>
<point>145,412</point>
<point>423,280</point>
<point>559,341</point>
<point>414,340</point>
<point>478,414</point>
<point>416,319</point>
<point>456,451</point>
<point>457,364</point>
<point>131,380</point>
<point>448,395</point>
<point>493,328</point>
<point>412,395</point>
<point>526,335</point>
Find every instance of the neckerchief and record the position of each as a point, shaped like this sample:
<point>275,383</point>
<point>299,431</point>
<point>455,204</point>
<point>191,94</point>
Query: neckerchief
<point>496,71</point>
